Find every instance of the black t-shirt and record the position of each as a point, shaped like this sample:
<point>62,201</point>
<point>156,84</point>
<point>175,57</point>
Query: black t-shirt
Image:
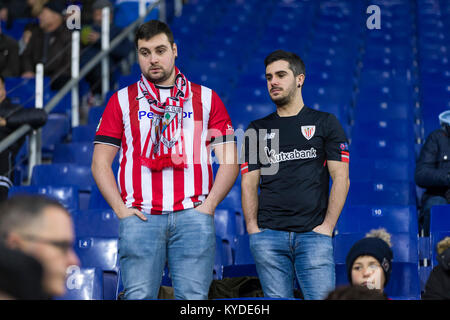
<point>294,183</point>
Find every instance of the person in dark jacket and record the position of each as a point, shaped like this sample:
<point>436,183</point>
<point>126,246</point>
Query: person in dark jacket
<point>438,283</point>
<point>9,56</point>
<point>433,171</point>
<point>12,116</point>
<point>50,44</point>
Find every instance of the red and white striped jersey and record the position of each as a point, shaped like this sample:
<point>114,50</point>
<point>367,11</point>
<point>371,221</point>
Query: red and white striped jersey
<point>126,122</point>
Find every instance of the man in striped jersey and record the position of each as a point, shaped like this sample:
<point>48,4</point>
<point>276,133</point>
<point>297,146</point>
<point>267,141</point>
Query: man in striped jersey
<point>165,128</point>
<point>291,222</point>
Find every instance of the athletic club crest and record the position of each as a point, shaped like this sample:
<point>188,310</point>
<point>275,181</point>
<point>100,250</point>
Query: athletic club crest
<point>308,131</point>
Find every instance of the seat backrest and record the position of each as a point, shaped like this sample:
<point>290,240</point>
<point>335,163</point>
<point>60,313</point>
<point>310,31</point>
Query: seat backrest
<point>381,193</point>
<point>102,223</point>
<point>83,284</point>
<point>63,174</point>
<point>66,195</point>
<point>243,254</point>
<point>404,246</point>
<point>440,218</point>
<point>97,252</point>
<point>74,152</point>
<point>84,133</point>
<point>363,218</point>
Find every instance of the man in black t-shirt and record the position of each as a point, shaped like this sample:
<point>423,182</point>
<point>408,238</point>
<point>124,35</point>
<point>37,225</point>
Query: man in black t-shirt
<point>290,155</point>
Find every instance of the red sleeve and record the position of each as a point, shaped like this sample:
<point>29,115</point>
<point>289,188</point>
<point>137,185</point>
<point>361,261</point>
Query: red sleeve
<point>219,125</point>
<point>110,126</point>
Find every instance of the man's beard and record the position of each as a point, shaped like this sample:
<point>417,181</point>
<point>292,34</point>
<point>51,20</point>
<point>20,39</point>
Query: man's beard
<point>282,101</point>
<point>164,75</point>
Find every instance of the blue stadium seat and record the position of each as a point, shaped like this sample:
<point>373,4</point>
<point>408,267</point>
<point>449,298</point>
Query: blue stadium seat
<point>66,195</point>
<point>404,246</point>
<point>63,174</point>
<point>381,193</point>
<point>84,133</point>
<point>94,114</point>
<point>54,132</point>
<point>373,169</point>
<point>375,148</point>
<point>101,253</point>
<point>363,218</point>
<point>127,12</point>
<point>384,129</point>
<point>101,223</point>
<point>97,252</point>
<point>222,258</point>
<point>244,265</point>
<point>74,152</point>
<point>83,284</point>
<point>96,200</point>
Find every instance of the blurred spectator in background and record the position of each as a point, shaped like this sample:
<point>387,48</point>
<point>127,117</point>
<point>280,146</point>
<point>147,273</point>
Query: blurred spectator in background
<point>433,171</point>
<point>41,227</point>
<point>369,261</point>
<point>13,9</point>
<point>20,276</point>
<point>91,40</point>
<point>13,116</point>
<point>438,283</point>
<point>51,45</point>
<point>9,56</point>
<point>355,293</point>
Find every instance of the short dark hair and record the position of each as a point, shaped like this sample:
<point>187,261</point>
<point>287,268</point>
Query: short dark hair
<point>152,28</point>
<point>296,64</point>
<point>23,210</point>
<point>2,79</point>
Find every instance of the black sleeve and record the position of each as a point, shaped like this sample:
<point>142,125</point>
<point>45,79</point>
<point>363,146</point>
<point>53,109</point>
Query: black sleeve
<point>36,118</point>
<point>434,289</point>
<point>427,173</point>
<point>336,144</point>
<point>249,152</point>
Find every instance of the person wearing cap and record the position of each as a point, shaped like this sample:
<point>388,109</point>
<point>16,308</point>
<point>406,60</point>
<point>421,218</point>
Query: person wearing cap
<point>369,261</point>
<point>433,171</point>
<point>91,41</point>
<point>51,45</point>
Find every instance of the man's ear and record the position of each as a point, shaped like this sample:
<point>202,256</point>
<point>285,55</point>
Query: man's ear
<point>300,80</point>
<point>175,50</point>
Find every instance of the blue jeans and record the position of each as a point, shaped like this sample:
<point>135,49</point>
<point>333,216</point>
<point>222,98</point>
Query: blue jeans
<point>281,255</point>
<point>185,239</point>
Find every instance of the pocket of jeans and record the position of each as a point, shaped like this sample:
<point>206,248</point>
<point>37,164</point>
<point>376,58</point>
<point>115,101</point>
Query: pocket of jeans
<point>204,213</point>
<point>261,230</point>
<point>321,234</point>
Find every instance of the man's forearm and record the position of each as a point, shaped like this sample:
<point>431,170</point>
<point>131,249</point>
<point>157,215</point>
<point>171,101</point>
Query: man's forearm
<point>250,206</point>
<point>223,182</point>
<point>336,200</point>
<point>106,182</point>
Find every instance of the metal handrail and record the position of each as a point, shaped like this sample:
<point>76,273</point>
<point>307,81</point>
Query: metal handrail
<point>24,129</point>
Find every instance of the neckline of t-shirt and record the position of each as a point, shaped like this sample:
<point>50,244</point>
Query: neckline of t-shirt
<point>291,117</point>
<point>158,86</point>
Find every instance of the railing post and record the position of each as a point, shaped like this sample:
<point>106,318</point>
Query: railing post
<point>75,74</point>
<point>36,135</point>
<point>162,11</point>
<point>105,46</point>
<point>142,8</point>
<point>178,8</point>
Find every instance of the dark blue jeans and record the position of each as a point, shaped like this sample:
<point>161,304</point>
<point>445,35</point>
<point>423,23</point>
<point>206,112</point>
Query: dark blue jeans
<point>185,239</point>
<point>280,256</point>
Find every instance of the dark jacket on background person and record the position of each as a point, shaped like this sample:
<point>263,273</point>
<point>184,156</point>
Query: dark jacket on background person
<point>15,116</point>
<point>438,285</point>
<point>57,61</point>
<point>9,57</point>
<point>433,165</point>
